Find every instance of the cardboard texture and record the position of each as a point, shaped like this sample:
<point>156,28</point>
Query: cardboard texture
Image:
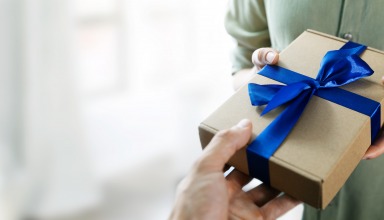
<point>328,141</point>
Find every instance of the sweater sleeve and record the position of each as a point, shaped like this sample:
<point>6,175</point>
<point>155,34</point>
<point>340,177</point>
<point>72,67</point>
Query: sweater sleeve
<point>246,22</point>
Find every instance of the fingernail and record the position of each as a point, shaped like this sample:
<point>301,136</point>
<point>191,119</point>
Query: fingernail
<point>382,80</point>
<point>244,123</point>
<point>270,57</point>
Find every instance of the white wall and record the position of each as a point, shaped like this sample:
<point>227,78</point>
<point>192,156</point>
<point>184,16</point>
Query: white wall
<point>147,72</point>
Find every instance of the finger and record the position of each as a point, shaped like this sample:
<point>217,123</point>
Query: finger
<point>382,80</point>
<point>224,145</point>
<point>263,56</point>
<point>279,206</point>
<point>236,180</point>
<point>262,194</point>
<point>376,149</point>
<point>242,207</point>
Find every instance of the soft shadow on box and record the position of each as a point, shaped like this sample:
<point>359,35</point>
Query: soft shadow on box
<point>327,142</point>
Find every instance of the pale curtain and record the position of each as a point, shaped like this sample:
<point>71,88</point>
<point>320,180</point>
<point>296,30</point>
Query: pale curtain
<point>44,168</point>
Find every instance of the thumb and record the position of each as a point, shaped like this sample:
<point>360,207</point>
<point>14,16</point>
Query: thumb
<point>376,149</point>
<point>263,56</point>
<point>224,145</point>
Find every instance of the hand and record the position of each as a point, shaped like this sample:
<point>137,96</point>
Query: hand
<point>377,148</point>
<point>260,58</point>
<point>206,194</point>
<point>264,56</point>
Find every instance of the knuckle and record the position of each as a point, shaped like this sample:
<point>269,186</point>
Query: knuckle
<point>259,56</point>
<point>203,166</point>
<point>184,185</point>
<point>224,134</point>
<point>225,137</point>
<point>256,55</point>
<point>200,164</point>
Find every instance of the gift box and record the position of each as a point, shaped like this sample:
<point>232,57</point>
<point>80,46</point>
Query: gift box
<point>329,138</point>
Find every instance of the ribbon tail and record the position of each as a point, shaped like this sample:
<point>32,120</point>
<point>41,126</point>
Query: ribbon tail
<point>358,49</point>
<point>262,94</point>
<point>285,95</point>
<point>265,144</point>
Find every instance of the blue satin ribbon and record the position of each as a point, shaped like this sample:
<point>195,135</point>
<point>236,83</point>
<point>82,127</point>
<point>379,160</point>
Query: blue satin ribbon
<point>338,68</point>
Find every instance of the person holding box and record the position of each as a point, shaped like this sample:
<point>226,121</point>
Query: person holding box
<point>262,28</point>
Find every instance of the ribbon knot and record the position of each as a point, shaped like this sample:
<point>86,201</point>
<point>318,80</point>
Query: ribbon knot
<point>337,68</point>
<point>315,85</point>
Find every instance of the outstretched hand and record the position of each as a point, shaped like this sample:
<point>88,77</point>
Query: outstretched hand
<point>206,194</point>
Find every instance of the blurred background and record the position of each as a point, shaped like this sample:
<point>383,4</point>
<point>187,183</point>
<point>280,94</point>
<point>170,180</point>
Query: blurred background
<point>100,104</point>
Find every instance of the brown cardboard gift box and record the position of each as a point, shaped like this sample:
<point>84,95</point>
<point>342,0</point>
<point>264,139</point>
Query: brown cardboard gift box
<point>327,142</point>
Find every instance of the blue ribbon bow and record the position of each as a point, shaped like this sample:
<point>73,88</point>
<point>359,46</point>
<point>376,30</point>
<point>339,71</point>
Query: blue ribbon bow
<point>338,68</point>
